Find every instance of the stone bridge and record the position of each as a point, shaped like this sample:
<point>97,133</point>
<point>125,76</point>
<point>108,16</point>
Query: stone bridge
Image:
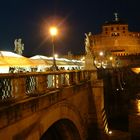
<point>64,105</point>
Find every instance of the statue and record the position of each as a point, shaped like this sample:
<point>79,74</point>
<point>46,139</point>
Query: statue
<point>116,17</point>
<point>88,42</point>
<point>19,46</point>
<point>89,58</point>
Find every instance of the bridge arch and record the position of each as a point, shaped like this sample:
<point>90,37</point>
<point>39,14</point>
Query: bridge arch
<point>64,121</point>
<point>63,129</point>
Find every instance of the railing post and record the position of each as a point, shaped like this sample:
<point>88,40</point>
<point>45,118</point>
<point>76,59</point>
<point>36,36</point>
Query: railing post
<point>74,77</point>
<point>78,76</point>
<point>82,75</point>
<point>66,79</point>
<point>57,84</point>
<point>71,78</point>
<point>51,81</point>
<point>18,87</point>
<point>60,80</point>
<point>41,84</point>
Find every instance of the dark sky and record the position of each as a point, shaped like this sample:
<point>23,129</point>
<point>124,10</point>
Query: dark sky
<point>30,19</point>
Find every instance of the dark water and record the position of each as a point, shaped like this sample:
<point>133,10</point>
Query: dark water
<point>118,123</point>
<point>121,123</point>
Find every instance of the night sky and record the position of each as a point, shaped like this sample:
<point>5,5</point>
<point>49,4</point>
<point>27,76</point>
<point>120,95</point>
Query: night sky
<point>30,20</point>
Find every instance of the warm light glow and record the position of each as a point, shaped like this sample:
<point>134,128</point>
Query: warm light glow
<point>110,58</point>
<point>110,132</point>
<point>56,55</point>
<point>136,70</point>
<point>83,58</point>
<point>138,105</point>
<point>53,31</point>
<point>101,53</point>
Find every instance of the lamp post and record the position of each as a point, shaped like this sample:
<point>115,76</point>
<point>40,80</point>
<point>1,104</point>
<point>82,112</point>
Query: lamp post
<point>53,33</point>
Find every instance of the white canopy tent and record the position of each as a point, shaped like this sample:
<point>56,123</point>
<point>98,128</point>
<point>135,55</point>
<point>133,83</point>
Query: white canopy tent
<point>10,59</point>
<point>44,62</point>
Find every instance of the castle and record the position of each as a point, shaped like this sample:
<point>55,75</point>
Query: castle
<point>116,39</point>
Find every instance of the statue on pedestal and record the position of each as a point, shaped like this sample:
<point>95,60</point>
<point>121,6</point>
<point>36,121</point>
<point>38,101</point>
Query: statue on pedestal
<point>89,58</point>
<point>19,46</point>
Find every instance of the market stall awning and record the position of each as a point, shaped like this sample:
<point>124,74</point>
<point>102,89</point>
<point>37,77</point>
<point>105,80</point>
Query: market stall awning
<point>14,60</point>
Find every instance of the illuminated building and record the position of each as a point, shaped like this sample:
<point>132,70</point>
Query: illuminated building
<point>116,39</point>
<point>116,42</point>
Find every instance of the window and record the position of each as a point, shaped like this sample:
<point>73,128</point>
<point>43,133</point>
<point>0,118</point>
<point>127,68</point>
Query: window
<point>123,28</point>
<point>115,34</point>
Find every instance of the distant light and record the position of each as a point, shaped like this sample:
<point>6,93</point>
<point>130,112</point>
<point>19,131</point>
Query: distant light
<point>56,55</point>
<point>101,53</point>
<point>117,89</point>
<point>110,58</point>
<point>83,58</point>
<point>138,105</point>
<point>110,132</point>
<point>53,31</point>
<point>95,61</point>
<point>136,70</point>
<point>104,66</point>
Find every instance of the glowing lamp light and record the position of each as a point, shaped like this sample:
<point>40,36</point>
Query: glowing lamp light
<point>110,132</point>
<point>53,31</point>
<point>110,58</point>
<point>56,55</point>
<point>101,53</point>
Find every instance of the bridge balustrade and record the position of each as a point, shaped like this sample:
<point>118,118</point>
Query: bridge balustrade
<point>20,85</point>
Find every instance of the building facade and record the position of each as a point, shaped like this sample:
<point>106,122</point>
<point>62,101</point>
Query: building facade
<point>116,39</point>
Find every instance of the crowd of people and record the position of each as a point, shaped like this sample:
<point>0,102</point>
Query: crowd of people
<point>35,69</point>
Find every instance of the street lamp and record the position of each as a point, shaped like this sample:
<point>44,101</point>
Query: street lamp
<point>100,60</point>
<point>53,33</point>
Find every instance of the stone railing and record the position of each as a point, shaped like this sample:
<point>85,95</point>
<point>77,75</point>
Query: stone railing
<point>20,85</point>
